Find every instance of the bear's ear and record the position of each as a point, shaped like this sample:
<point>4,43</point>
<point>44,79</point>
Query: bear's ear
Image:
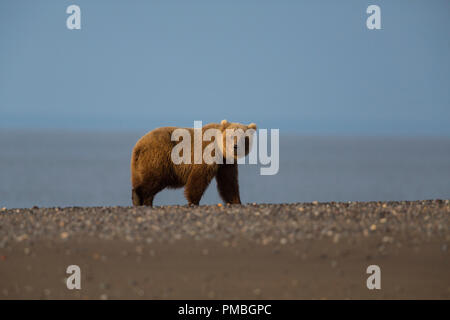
<point>252,126</point>
<point>224,122</point>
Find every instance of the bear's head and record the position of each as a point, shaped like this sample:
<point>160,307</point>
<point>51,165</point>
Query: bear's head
<point>237,139</point>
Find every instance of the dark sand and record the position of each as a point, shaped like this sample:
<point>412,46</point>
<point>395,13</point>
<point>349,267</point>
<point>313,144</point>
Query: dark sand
<point>285,251</point>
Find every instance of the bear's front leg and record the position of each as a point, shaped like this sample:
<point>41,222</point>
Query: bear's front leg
<point>199,179</point>
<point>227,183</point>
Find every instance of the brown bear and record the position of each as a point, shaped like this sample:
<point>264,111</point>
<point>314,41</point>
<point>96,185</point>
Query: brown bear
<point>153,167</point>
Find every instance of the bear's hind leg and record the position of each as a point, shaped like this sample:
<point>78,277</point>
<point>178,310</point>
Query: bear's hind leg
<point>227,183</point>
<point>196,185</point>
<point>144,195</point>
<point>136,197</point>
<point>148,201</point>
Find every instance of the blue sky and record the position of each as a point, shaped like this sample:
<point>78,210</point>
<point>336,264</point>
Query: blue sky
<point>306,67</point>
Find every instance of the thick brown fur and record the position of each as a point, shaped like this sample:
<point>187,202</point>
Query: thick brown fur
<point>152,169</point>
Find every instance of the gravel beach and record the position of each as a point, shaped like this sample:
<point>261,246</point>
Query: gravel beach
<point>254,251</point>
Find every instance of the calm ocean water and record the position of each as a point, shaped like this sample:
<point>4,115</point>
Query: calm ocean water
<point>92,169</point>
